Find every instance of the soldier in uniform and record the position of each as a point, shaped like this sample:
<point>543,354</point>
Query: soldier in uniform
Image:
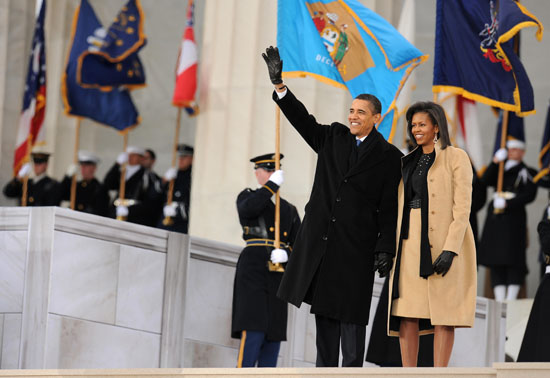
<point>504,239</point>
<point>41,190</point>
<point>141,197</point>
<point>178,210</point>
<point>259,318</point>
<point>91,196</point>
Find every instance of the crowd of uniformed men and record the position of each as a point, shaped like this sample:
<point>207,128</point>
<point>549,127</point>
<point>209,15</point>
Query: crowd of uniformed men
<point>145,200</point>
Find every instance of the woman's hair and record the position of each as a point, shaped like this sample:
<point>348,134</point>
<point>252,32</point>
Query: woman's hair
<point>437,116</point>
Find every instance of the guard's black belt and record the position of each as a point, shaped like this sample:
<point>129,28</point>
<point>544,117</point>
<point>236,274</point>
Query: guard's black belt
<point>265,242</point>
<point>415,203</point>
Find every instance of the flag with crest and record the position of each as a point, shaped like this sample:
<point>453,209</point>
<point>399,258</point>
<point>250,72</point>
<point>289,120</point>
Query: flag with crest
<point>345,44</point>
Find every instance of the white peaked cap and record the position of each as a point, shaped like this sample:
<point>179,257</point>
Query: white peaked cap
<point>87,157</point>
<point>135,150</point>
<point>515,143</point>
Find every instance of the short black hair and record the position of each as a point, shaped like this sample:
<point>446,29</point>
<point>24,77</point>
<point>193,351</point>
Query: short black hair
<point>152,153</point>
<point>376,106</point>
<point>437,116</point>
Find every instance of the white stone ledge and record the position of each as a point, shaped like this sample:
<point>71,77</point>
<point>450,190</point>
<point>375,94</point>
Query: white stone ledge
<point>215,251</point>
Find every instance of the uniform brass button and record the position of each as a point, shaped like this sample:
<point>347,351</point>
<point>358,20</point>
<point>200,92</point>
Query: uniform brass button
<point>31,199</point>
<point>285,233</point>
<point>271,229</point>
<point>80,206</point>
<point>84,184</point>
<point>325,238</point>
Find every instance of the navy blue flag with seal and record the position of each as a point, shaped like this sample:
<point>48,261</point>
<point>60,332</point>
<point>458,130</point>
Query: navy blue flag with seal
<point>113,106</point>
<point>474,52</point>
<point>112,58</point>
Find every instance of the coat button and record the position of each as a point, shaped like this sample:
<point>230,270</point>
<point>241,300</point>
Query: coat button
<point>431,229</point>
<point>325,238</point>
<point>433,194</point>
<point>431,180</point>
<point>345,180</point>
<point>333,219</point>
<point>271,229</point>
<point>433,212</point>
<point>431,246</point>
<point>338,199</point>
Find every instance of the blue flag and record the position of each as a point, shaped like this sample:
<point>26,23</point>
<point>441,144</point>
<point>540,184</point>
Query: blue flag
<point>544,155</point>
<point>112,58</point>
<point>112,107</point>
<point>515,129</point>
<point>474,53</point>
<point>347,45</point>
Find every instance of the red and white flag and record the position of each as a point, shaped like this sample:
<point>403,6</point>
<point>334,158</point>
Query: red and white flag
<point>186,70</point>
<point>31,131</point>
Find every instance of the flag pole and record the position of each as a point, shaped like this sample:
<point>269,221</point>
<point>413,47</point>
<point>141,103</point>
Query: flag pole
<point>500,179</point>
<point>122,187</point>
<point>24,191</point>
<point>75,161</point>
<point>168,221</point>
<point>277,267</point>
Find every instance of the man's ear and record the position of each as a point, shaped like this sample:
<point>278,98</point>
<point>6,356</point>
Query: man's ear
<point>377,118</point>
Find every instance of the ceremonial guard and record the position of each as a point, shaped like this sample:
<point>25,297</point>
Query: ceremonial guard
<point>178,210</point>
<point>41,190</point>
<point>141,199</point>
<point>504,240</point>
<point>259,318</point>
<point>91,196</point>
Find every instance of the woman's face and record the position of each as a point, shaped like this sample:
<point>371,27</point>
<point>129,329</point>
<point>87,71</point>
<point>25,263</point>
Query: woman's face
<point>423,130</point>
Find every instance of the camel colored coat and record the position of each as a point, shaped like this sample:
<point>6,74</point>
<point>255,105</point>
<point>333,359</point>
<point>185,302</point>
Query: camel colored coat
<point>452,298</point>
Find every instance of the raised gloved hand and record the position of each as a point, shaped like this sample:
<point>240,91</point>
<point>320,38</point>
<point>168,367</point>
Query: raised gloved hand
<point>500,155</point>
<point>274,64</point>
<point>122,211</point>
<point>443,262</point>
<point>122,158</point>
<point>25,170</point>
<point>71,170</point>
<point>383,263</point>
<point>169,210</point>
<point>499,203</point>
<point>279,256</point>
<point>277,177</point>
<point>171,173</point>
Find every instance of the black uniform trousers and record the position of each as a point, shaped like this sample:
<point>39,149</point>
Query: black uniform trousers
<point>330,334</point>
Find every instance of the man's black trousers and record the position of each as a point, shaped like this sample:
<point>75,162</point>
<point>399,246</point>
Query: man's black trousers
<point>332,332</point>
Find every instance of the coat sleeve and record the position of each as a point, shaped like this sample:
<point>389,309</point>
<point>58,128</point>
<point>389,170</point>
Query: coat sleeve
<point>13,189</point>
<point>251,204</point>
<point>462,174</point>
<point>525,195</point>
<point>387,209</point>
<point>313,133</point>
<point>490,176</point>
<point>112,178</point>
<point>296,222</point>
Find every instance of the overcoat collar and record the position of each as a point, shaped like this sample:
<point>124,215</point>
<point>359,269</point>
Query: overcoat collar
<point>372,154</point>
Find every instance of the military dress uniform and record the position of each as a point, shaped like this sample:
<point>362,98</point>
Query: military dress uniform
<point>180,198</point>
<point>257,312</point>
<point>91,197</point>
<point>504,239</point>
<point>41,191</point>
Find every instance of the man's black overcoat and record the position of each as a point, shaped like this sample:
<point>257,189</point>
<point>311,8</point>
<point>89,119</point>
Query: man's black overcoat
<point>351,214</point>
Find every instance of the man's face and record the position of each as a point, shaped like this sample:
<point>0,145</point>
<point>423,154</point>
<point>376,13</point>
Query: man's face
<point>40,168</point>
<point>262,175</point>
<point>134,159</point>
<point>361,118</point>
<point>87,170</point>
<point>516,154</point>
<point>184,162</point>
<point>147,162</point>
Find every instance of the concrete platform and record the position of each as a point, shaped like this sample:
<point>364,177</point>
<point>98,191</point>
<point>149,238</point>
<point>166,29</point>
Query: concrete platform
<point>499,370</point>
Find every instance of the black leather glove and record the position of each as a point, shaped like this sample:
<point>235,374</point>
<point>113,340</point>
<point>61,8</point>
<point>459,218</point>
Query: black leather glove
<point>443,262</point>
<point>274,64</point>
<point>383,263</point>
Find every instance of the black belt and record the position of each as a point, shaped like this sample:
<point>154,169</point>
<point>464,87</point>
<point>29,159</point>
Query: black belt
<point>415,203</point>
<point>266,242</point>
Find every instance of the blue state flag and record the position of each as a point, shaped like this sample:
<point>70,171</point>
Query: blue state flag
<point>112,58</point>
<point>515,129</point>
<point>474,54</point>
<point>112,107</point>
<point>347,45</point>
<point>544,155</point>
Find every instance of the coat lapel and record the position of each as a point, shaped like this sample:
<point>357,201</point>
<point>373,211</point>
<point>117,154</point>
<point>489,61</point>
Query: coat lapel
<point>372,155</point>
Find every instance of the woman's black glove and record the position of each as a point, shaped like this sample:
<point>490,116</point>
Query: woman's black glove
<point>443,262</point>
<point>383,262</point>
<point>274,64</point>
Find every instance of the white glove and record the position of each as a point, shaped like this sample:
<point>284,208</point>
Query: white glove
<point>25,170</point>
<point>122,158</point>
<point>121,211</point>
<point>71,171</point>
<point>169,211</point>
<point>279,255</point>
<point>277,177</point>
<point>171,173</point>
<point>499,203</point>
<point>501,155</point>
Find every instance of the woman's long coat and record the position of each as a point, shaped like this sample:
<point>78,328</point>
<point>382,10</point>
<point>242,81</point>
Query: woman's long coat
<point>350,215</point>
<point>452,298</point>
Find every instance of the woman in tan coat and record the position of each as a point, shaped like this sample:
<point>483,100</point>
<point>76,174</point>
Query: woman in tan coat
<point>433,280</point>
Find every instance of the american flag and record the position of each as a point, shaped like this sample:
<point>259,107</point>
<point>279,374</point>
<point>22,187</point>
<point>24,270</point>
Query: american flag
<point>186,70</point>
<point>31,130</point>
